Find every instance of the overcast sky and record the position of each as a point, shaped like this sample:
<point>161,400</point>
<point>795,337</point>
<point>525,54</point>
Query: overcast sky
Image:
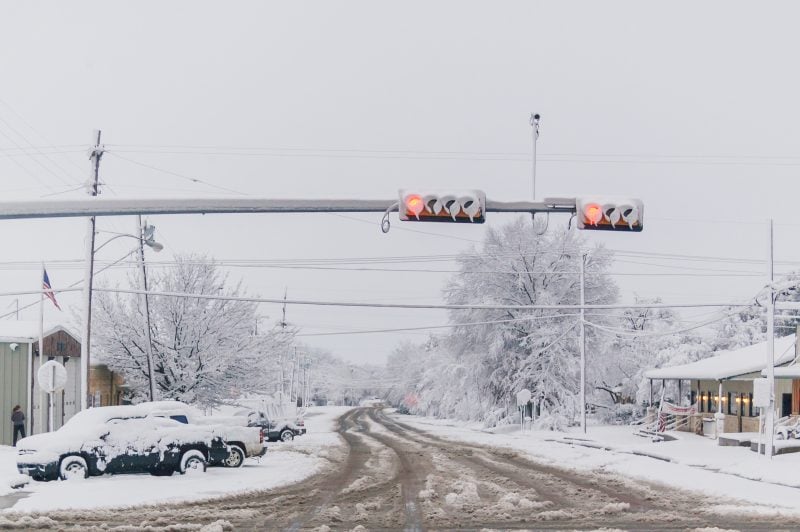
<point>690,106</point>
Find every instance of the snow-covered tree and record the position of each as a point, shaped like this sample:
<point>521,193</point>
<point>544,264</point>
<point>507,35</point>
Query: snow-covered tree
<point>475,371</point>
<point>204,350</point>
<point>741,327</point>
<point>535,349</point>
<point>632,350</point>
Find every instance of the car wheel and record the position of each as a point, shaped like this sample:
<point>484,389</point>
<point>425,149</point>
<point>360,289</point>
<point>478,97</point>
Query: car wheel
<point>287,435</point>
<point>192,462</point>
<point>161,471</point>
<point>73,467</point>
<point>235,458</point>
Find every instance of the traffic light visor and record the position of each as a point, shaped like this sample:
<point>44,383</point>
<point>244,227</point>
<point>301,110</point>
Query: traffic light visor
<point>609,214</point>
<point>457,206</point>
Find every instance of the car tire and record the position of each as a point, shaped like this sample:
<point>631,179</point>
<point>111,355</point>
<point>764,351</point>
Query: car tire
<point>162,471</point>
<point>287,435</point>
<point>235,457</point>
<point>73,467</point>
<point>192,461</point>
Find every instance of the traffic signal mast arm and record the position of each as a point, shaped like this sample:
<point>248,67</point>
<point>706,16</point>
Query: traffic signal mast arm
<point>444,206</point>
<point>122,207</point>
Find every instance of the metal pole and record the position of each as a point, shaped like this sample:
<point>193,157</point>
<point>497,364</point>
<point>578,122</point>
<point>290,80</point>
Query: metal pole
<point>78,208</point>
<point>88,276</point>
<point>291,386</point>
<point>29,410</point>
<point>534,137</point>
<point>41,355</point>
<point>770,421</point>
<point>51,422</point>
<point>583,346</point>
<point>149,350</point>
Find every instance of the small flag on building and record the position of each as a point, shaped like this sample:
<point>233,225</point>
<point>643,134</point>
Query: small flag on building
<point>50,295</point>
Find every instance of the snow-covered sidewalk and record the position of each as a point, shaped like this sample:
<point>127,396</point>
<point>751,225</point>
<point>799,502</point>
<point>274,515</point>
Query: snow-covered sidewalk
<point>690,462</point>
<point>284,463</point>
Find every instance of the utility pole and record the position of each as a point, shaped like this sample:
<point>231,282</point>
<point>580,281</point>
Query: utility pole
<point>291,386</point>
<point>283,328</point>
<point>95,154</point>
<point>583,345</point>
<point>770,422</point>
<point>149,350</point>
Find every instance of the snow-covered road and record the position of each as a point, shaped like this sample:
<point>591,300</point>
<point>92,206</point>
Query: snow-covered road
<point>388,474</point>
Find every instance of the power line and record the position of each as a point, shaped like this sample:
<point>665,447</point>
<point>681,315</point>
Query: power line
<point>640,334</point>
<point>71,287</point>
<point>616,158</point>
<point>36,150</point>
<point>408,305</point>
<point>450,326</point>
<point>176,174</point>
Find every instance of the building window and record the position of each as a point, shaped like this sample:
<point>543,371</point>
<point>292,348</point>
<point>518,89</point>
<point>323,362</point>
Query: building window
<point>693,398</point>
<point>61,346</point>
<point>734,400</point>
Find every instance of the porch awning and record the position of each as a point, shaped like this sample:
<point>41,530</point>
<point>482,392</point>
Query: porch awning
<point>729,364</point>
<point>786,372</point>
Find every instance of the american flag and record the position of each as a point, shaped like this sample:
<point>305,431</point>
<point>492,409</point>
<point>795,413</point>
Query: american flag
<point>46,285</point>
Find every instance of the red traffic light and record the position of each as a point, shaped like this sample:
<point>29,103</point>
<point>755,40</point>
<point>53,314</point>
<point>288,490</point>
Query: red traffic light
<point>414,205</point>
<point>593,213</point>
<point>457,206</point>
<point>609,214</point>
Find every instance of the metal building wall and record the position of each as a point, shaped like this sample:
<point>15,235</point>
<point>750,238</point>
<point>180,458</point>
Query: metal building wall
<point>13,386</point>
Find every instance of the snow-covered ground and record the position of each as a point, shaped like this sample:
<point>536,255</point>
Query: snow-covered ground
<point>283,464</point>
<point>691,462</point>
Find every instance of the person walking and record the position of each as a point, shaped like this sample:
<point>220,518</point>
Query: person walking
<point>18,420</point>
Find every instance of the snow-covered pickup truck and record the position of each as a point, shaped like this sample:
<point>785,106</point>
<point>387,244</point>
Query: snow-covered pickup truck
<point>238,435</point>
<point>129,439</point>
<point>274,428</point>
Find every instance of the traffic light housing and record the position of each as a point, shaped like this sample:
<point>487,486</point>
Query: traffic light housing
<point>606,214</point>
<point>459,206</point>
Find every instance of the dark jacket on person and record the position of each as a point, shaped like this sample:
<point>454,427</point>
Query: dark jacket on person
<point>18,418</point>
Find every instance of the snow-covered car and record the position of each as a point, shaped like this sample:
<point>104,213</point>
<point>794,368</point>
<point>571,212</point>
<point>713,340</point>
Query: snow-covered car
<point>129,439</point>
<point>245,441</point>
<point>274,429</point>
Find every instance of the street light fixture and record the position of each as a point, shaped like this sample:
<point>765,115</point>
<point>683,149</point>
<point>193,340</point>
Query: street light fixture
<point>146,238</point>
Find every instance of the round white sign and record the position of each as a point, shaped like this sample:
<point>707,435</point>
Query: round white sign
<point>52,376</point>
<point>523,396</point>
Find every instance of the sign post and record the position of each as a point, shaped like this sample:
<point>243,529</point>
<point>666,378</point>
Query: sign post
<point>52,377</point>
<point>761,399</point>
<point>523,397</point>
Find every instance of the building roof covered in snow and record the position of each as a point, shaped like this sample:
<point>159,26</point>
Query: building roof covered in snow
<point>730,364</point>
<point>786,372</point>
